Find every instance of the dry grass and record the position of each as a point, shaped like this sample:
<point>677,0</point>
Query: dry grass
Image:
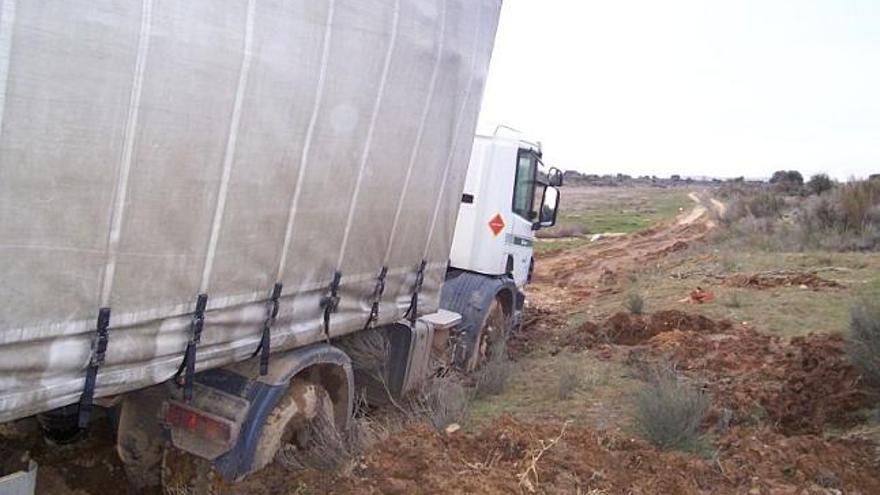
<point>440,402</point>
<point>494,375</point>
<point>864,342</point>
<point>569,382</point>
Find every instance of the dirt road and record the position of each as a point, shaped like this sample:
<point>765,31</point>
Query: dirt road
<point>567,277</point>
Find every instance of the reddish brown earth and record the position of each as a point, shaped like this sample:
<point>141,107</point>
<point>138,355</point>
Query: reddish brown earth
<point>801,386</point>
<point>763,281</point>
<point>420,460</point>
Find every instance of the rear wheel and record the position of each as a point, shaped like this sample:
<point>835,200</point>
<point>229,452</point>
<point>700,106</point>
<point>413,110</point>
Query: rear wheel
<point>293,420</point>
<point>290,422</point>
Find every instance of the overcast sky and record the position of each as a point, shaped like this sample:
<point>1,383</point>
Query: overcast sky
<point>694,87</point>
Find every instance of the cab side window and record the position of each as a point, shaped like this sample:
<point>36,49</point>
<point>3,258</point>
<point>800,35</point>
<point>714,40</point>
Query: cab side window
<point>524,185</point>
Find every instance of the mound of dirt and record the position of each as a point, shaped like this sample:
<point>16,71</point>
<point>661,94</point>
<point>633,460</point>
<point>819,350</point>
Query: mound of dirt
<point>772,280</point>
<point>821,386</point>
<point>535,332</point>
<point>584,460</point>
<point>800,386</point>
<point>631,330</point>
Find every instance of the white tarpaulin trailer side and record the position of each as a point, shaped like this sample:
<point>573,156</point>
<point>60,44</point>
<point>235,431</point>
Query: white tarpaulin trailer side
<point>153,151</point>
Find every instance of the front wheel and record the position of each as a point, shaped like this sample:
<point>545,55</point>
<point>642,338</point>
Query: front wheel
<point>492,332</point>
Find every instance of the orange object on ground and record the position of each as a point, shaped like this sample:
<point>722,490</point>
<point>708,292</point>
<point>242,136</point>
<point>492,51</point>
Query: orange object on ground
<point>700,296</point>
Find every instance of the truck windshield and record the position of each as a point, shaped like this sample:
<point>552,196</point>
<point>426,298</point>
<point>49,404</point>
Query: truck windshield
<point>524,185</point>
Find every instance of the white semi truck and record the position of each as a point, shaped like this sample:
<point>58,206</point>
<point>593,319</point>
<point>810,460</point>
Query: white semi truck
<point>201,201</point>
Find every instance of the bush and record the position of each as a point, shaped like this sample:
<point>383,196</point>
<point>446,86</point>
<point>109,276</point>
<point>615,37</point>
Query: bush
<point>569,382</point>
<point>634,303</point>
<point>864,343</point>
<point>440,402</point>
<point>669,413</point>
<point>846,218</point>
<point>819,184</point>
<point>494,375</point>
<point>788,181</point>
<point>732,301</point>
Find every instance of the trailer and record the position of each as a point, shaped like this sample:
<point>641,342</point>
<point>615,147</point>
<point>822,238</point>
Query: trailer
<point>200,200</point>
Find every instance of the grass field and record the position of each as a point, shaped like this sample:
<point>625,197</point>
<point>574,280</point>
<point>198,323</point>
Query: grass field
<point>598,210</point>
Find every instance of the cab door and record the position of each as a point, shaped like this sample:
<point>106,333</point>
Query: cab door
<point>520,239</point>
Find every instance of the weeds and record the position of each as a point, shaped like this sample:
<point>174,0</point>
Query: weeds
<point>843,218</point>
<point>864,342</point>
<point>329,449</point>
<point>732,301</point>
<point>569,382</point>
<point>494,375</point>
<point>669,413</point>
<point>440,403</point>
<point>634,303</point>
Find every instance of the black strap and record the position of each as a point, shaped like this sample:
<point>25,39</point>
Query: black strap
<point>378,291</point>
<point>188,367</point>
<point>99,351</point>
<point>330,303</point>
<point>266,340</point>
<point>413,311</point>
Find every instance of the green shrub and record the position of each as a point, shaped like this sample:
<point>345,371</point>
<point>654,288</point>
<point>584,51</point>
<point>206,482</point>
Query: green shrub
<point>669,413</point>
<point>634,303</point>
<point>819,184</point>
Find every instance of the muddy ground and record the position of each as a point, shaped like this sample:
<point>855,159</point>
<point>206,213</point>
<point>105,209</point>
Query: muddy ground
<point>784,418</point>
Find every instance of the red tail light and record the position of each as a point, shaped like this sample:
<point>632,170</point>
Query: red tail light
<point>178,415</point>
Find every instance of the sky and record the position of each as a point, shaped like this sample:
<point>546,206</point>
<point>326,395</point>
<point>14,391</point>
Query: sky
<point>721,88</point>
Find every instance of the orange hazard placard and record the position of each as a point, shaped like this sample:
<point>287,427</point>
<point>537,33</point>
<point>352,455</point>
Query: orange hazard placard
<point>496,225</point>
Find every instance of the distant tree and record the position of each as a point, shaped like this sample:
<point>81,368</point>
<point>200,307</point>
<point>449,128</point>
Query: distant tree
<point>819,184</point>
<point>675,178</point>
<point>778,177</point>
<point>788,181</point>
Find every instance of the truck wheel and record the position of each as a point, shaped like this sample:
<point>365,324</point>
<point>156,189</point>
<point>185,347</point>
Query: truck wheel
<point>292,419</point>
<point>290,422</point>
<point>492,331</point>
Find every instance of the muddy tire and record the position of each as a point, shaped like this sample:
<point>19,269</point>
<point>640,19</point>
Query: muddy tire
<point>493,329</point>
<point>292,419</point>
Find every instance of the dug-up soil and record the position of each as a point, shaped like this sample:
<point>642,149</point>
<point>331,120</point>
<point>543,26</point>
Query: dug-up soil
<point>799,386</point>
<point>773,280</point>
<point>584,460</point>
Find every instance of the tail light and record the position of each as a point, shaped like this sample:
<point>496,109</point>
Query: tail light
<point>199,423</point>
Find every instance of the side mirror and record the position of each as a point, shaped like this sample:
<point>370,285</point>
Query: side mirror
<point>554,177</point>
<point>549,208</point>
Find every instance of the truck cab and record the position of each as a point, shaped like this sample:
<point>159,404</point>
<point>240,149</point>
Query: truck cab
<point>509,195</point>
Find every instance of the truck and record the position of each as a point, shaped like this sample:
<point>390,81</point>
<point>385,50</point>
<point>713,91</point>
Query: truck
<point>200,202</point>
